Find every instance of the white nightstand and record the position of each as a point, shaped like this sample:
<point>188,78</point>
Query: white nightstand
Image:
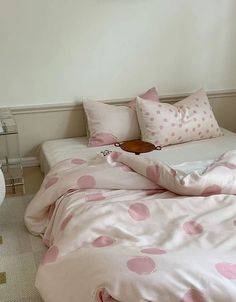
<point>10,158</point>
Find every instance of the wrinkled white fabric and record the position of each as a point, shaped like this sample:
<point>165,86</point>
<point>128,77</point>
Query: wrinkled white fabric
<point>118,229</point>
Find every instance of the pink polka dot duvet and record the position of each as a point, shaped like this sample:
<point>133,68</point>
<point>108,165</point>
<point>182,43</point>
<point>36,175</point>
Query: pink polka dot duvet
<point>125,228</point>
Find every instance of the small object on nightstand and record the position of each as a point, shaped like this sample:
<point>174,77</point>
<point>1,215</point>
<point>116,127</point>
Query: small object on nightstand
<point>10,159</point>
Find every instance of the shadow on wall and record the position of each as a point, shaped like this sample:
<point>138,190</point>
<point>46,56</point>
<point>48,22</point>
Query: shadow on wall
<point>203,45</point>
<point>223,52</point>
<point>225,45</point>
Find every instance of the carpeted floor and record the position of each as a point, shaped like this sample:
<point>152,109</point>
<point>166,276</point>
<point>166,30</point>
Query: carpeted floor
<point>20,253</point>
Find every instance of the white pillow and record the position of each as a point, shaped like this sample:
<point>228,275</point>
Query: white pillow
<point>165,124</point>
<point>110,123</point>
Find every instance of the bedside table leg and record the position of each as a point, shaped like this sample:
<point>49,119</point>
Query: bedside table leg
<point>13,186</point>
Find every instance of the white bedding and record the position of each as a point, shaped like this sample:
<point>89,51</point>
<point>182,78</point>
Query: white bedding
<point>55,151</point>
<point>124,228</point>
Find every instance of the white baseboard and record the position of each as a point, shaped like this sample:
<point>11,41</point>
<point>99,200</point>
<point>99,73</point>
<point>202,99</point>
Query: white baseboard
<point>30,162</point>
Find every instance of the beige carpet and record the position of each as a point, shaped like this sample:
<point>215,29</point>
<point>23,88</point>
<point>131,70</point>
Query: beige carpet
<point>20,253</point>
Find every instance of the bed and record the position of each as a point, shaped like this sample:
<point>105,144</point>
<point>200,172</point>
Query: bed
<point>161,229</point>
<point>54,151</point>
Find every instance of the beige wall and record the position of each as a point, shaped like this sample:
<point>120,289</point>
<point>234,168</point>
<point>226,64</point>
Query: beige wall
<point>39,123</point>
<point>56,51</point>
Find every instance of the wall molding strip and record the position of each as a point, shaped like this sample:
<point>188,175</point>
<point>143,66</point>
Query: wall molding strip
<point>30,109</point>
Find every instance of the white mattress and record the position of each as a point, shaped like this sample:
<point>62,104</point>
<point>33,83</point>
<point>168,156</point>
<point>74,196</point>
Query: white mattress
<point>54,151</point>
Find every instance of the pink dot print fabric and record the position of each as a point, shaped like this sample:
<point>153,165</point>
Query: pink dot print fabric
<point>147,232</point>
<point>188,120</point>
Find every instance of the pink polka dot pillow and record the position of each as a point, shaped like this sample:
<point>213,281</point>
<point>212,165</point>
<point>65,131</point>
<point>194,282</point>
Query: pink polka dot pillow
<point>108,124</point>
<point>150,95</point>
<point>165,124</point>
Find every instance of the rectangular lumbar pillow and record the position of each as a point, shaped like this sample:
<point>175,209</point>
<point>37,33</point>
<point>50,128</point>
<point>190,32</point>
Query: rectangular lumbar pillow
<point>187,120</point>
<point>108,124</point>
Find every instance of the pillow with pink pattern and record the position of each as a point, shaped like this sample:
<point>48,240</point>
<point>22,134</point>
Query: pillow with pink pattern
<point>150,95</point>
<point>108,124</point>
<point>187,120</point>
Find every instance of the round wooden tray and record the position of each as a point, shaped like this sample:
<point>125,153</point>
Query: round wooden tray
<point>137,146</point>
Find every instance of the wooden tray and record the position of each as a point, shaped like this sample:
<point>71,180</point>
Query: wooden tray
<point>137,146</point>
